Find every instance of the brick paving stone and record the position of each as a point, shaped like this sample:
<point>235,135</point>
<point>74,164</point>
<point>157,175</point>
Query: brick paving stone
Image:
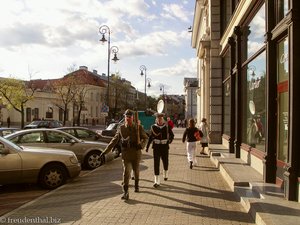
<point>190,196</point>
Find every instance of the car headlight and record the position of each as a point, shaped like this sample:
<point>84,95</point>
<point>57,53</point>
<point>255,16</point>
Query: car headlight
<point>73,159</point>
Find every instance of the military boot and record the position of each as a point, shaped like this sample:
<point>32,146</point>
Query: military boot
<point>125,195</point>
<point>136,186</point>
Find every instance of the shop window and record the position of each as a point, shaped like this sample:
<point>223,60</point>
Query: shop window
<point>283,60</point>
<point>226,92</point>
<point>226,107</point>
<point>282,8</point>
<point>254,102</point>
<point>226,13</point>
<point>256,32</point>
<point>283,99</point>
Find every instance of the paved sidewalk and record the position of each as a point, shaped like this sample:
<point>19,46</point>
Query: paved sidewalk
<point>190,196</point>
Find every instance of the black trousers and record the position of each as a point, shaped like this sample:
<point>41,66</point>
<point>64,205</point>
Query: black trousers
<point>163,154</point>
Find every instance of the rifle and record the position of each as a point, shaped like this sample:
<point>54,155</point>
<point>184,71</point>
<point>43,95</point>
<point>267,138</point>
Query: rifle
<point>136,121</point>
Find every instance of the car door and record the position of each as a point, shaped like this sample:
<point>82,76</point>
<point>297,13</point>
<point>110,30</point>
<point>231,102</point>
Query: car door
<point>10,165</point>
<point>60,140</point>
<point>86,135</point>
<point>31,138</point>
<point>70,131</point>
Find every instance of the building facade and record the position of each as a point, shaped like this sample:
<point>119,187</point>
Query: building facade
<point>247,59</point>
<point>91,90</point>
<point>190,89</point>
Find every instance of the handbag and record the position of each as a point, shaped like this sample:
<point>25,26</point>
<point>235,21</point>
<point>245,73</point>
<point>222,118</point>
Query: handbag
<point>197,135</point>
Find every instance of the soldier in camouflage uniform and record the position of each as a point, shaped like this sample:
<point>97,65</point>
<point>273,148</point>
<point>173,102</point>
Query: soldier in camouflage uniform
<point>133,139</point>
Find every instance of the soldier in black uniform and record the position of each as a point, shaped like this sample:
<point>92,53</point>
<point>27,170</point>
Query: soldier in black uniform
<point>161,136</point>
<point>133,139</point>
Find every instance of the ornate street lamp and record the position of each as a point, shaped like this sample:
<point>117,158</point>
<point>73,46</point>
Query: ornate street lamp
<point>115,50</point>
<point>149,82</point>
<point>162,88</point>
<point>104,29</point>
<point>143,70</point>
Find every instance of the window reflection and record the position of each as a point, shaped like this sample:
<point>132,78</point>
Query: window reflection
<point>257,30</point>
<point>283,99</point>
<point>226,14</point>
<point>254,102</point>
<point>226,92</point>
<point>282,9</point>
<point>226,107</point>
<point>283,60</point>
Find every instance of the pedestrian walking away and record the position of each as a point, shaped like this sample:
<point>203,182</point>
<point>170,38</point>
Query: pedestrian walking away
<point>205,139</point>
<point>133,139</point>
<point>170,122</point>
<point>161,136</point>
<point>190,135</point>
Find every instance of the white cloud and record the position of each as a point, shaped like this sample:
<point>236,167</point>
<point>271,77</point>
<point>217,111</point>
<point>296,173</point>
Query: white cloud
<point>49,36</point>
<point>183,68</point>
<point>175,11</point>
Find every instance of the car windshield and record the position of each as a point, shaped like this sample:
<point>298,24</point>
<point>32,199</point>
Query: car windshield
<point>9,143</point>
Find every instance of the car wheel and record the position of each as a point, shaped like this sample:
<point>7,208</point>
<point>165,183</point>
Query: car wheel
<point>93,160</point>
<point>52,176</point>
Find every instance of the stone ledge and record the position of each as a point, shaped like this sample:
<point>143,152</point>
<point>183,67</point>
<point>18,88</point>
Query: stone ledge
<point>264,201</point>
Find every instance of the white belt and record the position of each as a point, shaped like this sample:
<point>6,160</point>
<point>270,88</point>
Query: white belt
<point>156,141</point>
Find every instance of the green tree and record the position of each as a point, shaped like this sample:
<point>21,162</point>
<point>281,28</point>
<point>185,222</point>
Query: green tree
<point>152,102</point>
<point>16,93</point>
<point>81,90</point>
<point>66,89</point>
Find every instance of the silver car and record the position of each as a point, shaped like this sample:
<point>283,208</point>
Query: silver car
<point>50,168</point>
<point>87,152</point>
<point>87,134</point>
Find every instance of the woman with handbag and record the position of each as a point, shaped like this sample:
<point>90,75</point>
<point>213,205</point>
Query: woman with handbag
<point>205,139</point>
<point>192,135</point>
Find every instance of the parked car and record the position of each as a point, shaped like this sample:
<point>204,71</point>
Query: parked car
<point>7,130</point>
<point>87,152</point>
<point>87,134</point>
<point>111,129</point>
<point>44,124</point>
<point>48,167</point>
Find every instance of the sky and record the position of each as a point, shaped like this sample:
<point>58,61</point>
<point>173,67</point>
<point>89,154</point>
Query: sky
<point>42,39</point>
